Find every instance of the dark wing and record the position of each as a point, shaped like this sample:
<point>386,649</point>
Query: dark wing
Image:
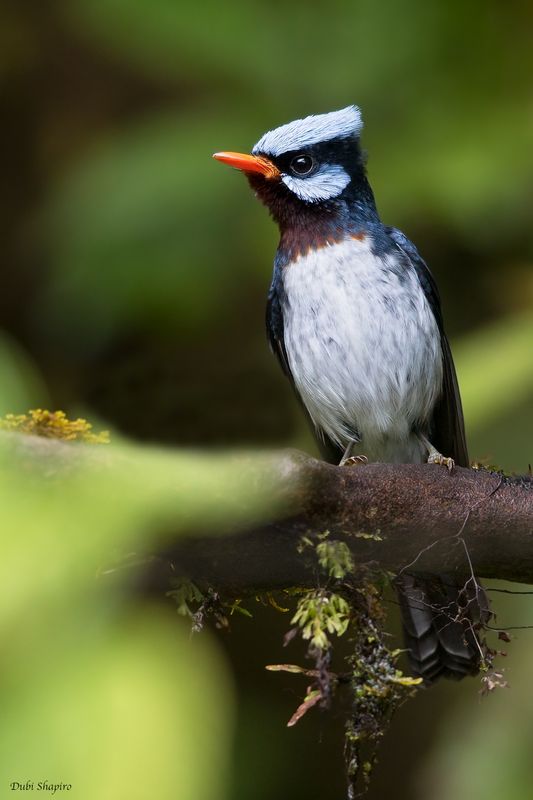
<point>274,325</point>
<point>447,425</point>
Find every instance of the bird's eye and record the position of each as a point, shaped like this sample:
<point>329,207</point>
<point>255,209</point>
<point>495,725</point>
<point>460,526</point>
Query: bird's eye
<point>302,165</point>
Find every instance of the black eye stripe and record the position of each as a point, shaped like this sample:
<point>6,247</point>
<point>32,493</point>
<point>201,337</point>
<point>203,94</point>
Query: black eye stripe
<point>302,164</point>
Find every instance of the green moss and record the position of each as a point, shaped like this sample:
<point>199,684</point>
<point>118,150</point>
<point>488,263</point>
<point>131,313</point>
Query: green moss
<point>378,688</point>
<point>187,597</point>
<point>351,603</point>
<point>335,558</point>
<point>320,614</point>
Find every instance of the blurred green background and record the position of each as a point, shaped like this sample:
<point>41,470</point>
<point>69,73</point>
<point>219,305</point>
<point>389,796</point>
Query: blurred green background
<point>134,275</point>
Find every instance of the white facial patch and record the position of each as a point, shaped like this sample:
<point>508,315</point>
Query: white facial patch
<point>311,130</point>
<point>327,182</point>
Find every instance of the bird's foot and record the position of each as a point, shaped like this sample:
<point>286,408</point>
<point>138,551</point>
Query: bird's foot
<point>435,457</point>
<point>353,461</point>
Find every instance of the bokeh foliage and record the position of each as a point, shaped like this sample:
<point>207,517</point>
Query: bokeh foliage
<point>101,691</point>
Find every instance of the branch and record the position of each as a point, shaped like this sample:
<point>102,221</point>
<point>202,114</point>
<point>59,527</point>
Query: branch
<point>393,517</point>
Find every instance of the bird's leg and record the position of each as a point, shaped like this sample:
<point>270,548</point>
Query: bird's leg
<point>434,457</point>
<point>352,461</point>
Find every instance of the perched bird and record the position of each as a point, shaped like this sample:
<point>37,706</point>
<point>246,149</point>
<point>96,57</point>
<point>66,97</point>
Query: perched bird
<point>354,318</point>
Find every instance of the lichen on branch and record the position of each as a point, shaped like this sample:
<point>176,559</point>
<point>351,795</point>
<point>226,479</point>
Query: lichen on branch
<point>53,425</point>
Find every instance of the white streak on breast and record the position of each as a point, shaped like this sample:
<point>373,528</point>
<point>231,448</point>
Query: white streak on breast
<point>363,347</point>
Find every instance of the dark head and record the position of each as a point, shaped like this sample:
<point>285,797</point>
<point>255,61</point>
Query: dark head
<point>311,172</point>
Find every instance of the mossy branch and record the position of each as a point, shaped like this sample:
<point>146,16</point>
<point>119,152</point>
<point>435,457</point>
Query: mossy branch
<point>392,516</point>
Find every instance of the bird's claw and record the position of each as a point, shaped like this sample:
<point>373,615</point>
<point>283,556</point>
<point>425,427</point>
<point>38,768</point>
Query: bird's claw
<point>353,461</point>
<point>437,458</point>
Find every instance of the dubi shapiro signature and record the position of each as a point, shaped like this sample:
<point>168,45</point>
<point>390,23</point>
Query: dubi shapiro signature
<point>40,786</point>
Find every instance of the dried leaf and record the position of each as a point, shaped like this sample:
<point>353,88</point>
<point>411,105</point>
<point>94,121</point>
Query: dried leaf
<point>311,700</point>
<point>405,680</point>
<point>293,668</point>
<point>492,681</point>
<point>289,636</point>
<point>285,668</point>
<point>275,604</point>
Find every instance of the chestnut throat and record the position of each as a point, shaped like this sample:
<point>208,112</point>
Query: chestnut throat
<point>310,226</point>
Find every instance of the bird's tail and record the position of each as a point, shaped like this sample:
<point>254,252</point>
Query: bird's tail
<point>440,617</point>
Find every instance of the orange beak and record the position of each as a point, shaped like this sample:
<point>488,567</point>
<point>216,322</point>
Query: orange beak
<point>249,163</point>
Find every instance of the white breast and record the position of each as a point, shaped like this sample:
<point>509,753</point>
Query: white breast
<point>363,347</point>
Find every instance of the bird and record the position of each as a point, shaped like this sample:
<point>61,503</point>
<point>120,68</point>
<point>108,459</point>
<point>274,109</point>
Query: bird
<point>354,317</point>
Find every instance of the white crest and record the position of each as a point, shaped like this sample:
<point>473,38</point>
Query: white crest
<point>327,182</point>
<point>311,130</point>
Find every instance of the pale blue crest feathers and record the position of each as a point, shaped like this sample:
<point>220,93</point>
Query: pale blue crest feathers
<point>311,130</point>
